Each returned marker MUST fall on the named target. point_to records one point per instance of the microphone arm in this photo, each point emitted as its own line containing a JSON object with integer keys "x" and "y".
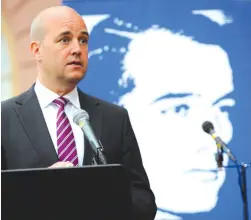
{"x": 223, "y": 146}
{"x": 99, "y": 154}
{"x": 208, "y": 127}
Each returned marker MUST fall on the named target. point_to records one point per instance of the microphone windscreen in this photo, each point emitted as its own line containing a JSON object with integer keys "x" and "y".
{"x": 79, "y": 115}
{"x": 207, "y": 126}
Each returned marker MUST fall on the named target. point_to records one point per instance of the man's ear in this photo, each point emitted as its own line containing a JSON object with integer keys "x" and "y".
{"x": 35, "y": 49}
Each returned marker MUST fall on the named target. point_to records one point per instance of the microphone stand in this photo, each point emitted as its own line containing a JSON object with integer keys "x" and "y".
{"x": 244, "y": 190}
{"x": 241, "y": 168}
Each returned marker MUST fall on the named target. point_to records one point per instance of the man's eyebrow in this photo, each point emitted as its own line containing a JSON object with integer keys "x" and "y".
{"x": 173, "y": 96}
{"x": 84, "y": 33}
{"x": 69, "y": 33}
{"x": 64, "y": 33}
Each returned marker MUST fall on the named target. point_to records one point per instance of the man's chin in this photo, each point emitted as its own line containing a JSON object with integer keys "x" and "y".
{"x": 75, "y": 77}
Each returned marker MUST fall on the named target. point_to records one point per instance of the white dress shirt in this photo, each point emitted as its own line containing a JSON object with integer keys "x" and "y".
{"x": 50, "y": 109}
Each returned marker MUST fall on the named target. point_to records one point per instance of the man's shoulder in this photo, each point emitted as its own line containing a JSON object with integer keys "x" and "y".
{"x": 105, "y": 105}
{"x": 12, "y": 102}
{"x": 8, "y": 103}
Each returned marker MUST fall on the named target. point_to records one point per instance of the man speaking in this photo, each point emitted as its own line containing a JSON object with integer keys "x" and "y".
{"x": 37, "y": 126}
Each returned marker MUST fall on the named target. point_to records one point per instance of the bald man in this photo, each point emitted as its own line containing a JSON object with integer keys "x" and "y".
{"x": 37, "y": 126}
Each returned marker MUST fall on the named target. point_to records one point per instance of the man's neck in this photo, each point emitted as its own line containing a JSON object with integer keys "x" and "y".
{"x": 60, "y": 90}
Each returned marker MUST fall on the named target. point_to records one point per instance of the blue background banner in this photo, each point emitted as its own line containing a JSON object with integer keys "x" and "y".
{"x": 175, "y": 64}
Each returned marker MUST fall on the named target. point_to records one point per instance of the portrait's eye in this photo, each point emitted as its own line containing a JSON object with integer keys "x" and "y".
{"x": 181, "y": 108}
{"x": 224, "y": 108}
{"x": 164, "y": 111}
{"x": 178, "y": 109}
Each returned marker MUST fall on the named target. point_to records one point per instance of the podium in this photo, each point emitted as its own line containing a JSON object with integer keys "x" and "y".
{"x": 88, "y": 193}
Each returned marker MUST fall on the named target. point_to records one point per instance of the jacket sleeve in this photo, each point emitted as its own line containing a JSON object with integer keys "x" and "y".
{"x": 143, "y": 200}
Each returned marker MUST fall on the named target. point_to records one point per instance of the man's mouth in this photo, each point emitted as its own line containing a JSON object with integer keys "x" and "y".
{"x": 75, "y": 63}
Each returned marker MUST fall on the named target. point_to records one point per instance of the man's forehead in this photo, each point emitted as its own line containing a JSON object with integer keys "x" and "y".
{"x": 69, "y": 27}
{"x": 74, "y": 22}
{"x": 70, "y": 24}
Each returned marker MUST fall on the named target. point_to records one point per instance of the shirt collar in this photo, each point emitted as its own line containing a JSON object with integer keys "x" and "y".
{"x": 46, "y": 96}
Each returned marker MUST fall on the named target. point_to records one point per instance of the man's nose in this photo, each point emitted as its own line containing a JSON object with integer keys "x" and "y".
{"x": 76, "y": 48}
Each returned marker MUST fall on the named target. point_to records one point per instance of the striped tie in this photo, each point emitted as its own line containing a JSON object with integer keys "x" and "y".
{"x": 65, "y": 139}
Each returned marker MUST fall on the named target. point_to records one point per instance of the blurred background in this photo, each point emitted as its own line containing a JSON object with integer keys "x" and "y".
{"x": 173, "y": 64}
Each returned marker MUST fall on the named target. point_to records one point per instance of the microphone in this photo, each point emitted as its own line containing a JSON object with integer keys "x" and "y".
{"x": 222, "y": 147}
{"x": 81, "y": 118}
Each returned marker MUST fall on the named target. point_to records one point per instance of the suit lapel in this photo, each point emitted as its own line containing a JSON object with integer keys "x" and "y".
{"x": 31, "y": 117}
{"x": 92, "y": 107}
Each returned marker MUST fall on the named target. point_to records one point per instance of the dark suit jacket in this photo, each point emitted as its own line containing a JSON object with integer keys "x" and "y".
{"x": 26, "y": 142}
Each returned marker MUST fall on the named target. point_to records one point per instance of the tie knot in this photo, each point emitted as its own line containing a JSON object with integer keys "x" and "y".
{"x": 61, "y": 101}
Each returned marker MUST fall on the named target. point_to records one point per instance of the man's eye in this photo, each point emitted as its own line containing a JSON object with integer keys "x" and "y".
{"x": 65, "y": 40}
{"x": 83, "y": 41}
